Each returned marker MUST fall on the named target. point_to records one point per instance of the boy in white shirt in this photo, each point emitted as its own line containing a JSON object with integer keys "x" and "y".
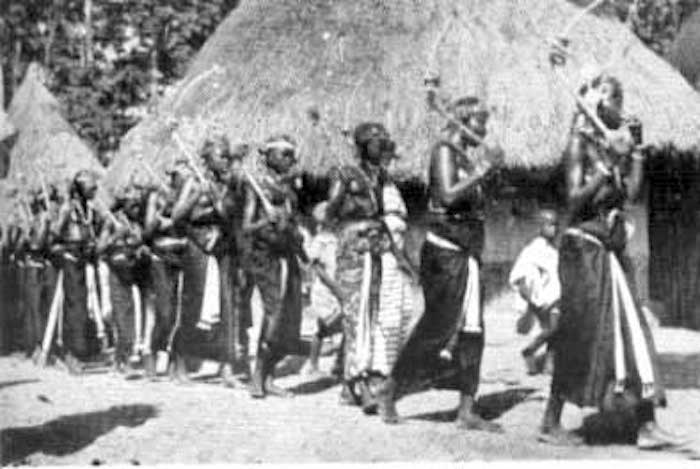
{"x": 535, "y": 276}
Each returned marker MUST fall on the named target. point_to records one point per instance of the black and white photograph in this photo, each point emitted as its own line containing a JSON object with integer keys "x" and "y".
{"x": 243, "y": 232}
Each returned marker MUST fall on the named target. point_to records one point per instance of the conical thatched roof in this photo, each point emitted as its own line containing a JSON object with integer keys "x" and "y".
{"x": 46, "y": 144}
{"x": 684, "y": 53}
{"x": 274, "y": 63}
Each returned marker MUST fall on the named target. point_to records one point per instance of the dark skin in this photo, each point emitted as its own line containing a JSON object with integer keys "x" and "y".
{"x": 280, "y": 162}
{"x": 452, "y": 191}
{"x": 123, "y": 230}
{"x": 154, "y": 219}
{"x": 190, "y": 204}
{"x": 371, "y": 165}
{"x": 579, "y": 191}
{"x": 87, "y": 193}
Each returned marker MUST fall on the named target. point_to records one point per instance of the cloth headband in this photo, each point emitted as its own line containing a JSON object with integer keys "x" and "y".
{"x": 278, "y": 145}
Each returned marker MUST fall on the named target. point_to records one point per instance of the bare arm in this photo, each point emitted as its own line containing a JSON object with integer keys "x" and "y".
{"x": 450, "y": 190}
{"x": 61, "y": 220}
{"x": 636, "y": 177}
{"x": 151, "y": 220}
{"x": 578, "y": 191}
{"x": 335, "y": 198}
{"x": 105, "y": 238}
{"x": 250, "y": 224}
{"x": 328, "y": 281}
{"x": 185, "y": 202}
{"x": 44, "y": 228}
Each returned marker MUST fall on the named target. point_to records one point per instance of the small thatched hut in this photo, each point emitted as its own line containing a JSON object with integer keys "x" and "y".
{"x": 46, "y": 144}
{"x": 316, "y": 68}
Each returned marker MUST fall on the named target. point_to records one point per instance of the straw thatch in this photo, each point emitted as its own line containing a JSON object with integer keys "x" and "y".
{"x": 47, "y": 145}
{"x": 684, "y": 53}
{"x": 7, "y": 134}
{"x": 316, "y": 67}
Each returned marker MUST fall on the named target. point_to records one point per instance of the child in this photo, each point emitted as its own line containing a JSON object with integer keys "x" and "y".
{"x": 326, "y": 295}
{"x": 535, "y": 277}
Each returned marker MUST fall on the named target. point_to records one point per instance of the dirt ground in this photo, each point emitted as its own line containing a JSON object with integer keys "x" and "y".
{"x": 48, "y": 417}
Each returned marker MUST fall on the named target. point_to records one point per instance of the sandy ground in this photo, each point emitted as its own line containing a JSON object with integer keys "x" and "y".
{"x": 47, "y": 417}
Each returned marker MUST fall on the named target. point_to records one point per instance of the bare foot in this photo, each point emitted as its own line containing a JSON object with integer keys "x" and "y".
{"x": 559, "y": 437}
{"x": 274, "y": 390}
{"x": 474, "y": 422}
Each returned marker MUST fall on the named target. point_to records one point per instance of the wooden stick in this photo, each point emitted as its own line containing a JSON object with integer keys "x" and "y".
{"x": 190, "y": 158}
{"x": 267, "y": 205}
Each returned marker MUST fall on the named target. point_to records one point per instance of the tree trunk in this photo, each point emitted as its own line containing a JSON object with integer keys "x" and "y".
{"x": 2, "y": 87}
{"x": 89, "y": 52}
{"x": 16, "y": 65}
{"x": 154, "y": 75}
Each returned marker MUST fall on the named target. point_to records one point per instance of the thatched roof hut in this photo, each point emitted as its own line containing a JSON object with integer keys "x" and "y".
{"x": 46, "y": 144}
{"x": 272, "y": 65}
{"x": 684, "y": 53}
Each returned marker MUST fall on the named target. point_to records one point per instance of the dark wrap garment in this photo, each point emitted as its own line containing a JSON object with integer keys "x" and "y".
{"x": 75, "y": 254}
{"x": 584, "y": 344}
{"x": 444, "y": 274}
{"x": 127, "y": 272}
{"x": 38, "y": 286}
{"x": 164, "y": 276}
{"x": 271, "y": 259}
{"x": 210, "y": 238}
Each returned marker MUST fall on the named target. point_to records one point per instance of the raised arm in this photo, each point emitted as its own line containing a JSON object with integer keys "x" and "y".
{"x": 578, "y": 191}
{"x": 186, "y": 201}
{"x": 154, "y": 219}
{"x": 336, "y": 192}
{"x": 106, "y": 237}
{"x": 250, "y": 224}
{"x": 61, "y": 220}
{"x": 451, "y": 191}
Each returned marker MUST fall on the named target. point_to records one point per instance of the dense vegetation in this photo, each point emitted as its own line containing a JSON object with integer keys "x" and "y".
{"x": 108, "y": 58}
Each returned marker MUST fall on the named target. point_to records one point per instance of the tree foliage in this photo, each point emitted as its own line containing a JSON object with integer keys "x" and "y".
{"x": 108, "y": 58}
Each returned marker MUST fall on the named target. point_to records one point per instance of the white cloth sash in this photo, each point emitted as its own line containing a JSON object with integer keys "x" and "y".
{"x": 93, "y": 299}
{"x": 471, "y": 304}
{"x": 105, "y": 291}
{"x": 210, "y": 313}
{"x": 624, "y": 306}
{"x": 363, "y": 359}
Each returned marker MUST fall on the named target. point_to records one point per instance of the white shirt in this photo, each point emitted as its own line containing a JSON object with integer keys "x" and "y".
{"x": 537, "y": 269}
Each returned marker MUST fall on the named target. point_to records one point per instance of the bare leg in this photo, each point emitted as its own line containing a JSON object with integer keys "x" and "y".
{"x": 468, "y": 419}
{"x": 551, "y": 430}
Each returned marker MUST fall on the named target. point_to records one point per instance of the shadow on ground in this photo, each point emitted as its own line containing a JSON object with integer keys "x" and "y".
{"x": 69, "y": 434}
{"x": 316, "y": 386}
{"x": 489, "y": 406}
{"x": 18, "y": 382}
